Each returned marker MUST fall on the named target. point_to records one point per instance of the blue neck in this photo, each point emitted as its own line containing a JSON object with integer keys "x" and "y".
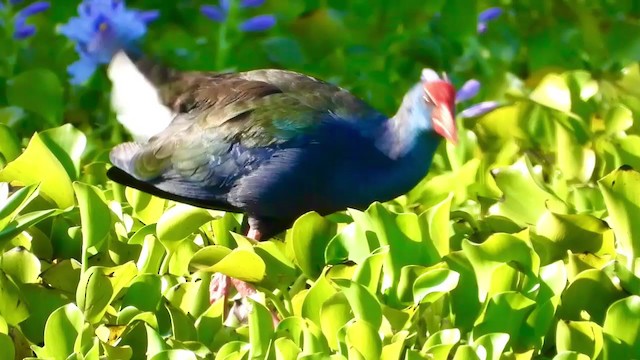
{"x": 410, "y": 129}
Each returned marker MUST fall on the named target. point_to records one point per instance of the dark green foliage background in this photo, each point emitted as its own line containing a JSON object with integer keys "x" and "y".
{"x": 522, "y": 242}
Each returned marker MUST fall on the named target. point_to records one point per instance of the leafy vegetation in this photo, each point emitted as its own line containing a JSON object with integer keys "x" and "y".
{"x": 522, "y": 242}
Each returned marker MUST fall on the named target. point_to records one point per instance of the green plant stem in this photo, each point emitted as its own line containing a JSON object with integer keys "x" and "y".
{"x": 298, "y": 285}
{"x": 277, "y": 303}
{"x": 223, "y": 47}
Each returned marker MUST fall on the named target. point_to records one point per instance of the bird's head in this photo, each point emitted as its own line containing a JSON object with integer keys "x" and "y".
{"x": 440, "y": 96}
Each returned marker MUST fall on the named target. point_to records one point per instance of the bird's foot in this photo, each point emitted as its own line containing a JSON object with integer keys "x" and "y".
{"x": 219, "y": 289}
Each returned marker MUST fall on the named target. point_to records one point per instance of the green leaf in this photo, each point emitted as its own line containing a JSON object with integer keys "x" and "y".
{"x": 21, "y": 265}
{"x": 216, "y": 258}
{"x": 319, "y": 292}
{"x": 310, "y": 235}
{"x": 619, "y": 118}
{"x": 553, "y": 92}
{"x": 621, "y": 191}
{"x": 146, "y": 207}
{"x": 437, "y": 220}
{"x": 12, "y": 206}
{"x": 174, "y": 355}
{"x": 570, "y": 355}
{"x": 497, "y": 250}
{"x": 260, "y": 330}
{"x": 144, "y": 293}
{"x": 12, "y": 305}
{"x": 279, "y": 270}
{"x": 467, "y": 352}
{"x": 363, "y": 341}
{"x": 61, "y": 331}
{"x": 592, "y": 292}
{"x": 181, "y": 221}
{"x": 95, "y": 216}
{"x": 286, "y": 349}
{"x": 583, "y": 337}
{"x": 334, "y": 315}
{"x": 579, "y": 233}
{"x": 56, "y": 185}
{"x": 182, "y": 326}
{"x": 432, "y": 284}
{"x": 9, "y": 145}
{"x": 37, "y": 90}
{"x": 363, "y": 303}
{"x": 524, "y": 200}
{"x": 99, "y": 286}
{"x": 369, "y": 271}
{"x": 494, "y": 344}
{"x": 7, "y": 349}
{"x": 67, "y": 144}
{"x": 623, "y": 322}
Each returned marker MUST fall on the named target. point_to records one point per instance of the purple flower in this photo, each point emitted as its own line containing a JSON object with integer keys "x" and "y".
{"x": 486, "y": 16}
{"x": 468, "y": 90}
{"x": 257, "y": 23}
{"x": 102, "y": 28}
{"x": 22, "y": 30}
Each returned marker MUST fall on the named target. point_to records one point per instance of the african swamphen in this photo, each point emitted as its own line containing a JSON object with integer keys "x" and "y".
{"x": 275, "y": 144}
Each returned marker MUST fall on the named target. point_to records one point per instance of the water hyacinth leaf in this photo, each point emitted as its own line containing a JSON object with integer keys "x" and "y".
{"x": 95, "y": 216}
{"x": 334, "y": 314}
{"x": 623, "y": 322}
{"x": 99, "y": 286}
{"x": 499, "y": 249}
{"x": 394, "y": 350}
{"x": 507, "y": 313}
{"x": 286, "y": 349}
{"x": 146, "y": 207}
{"x": 182, "y": 326}
{"x": 64, "y": 275}
{"x": 443, "y": 337}
{"x": 364, "y": 304}
{"x": 144, "y": 292}
{"x": 252, "y": 269}
{"x": 319, "y": 292}
{"x": 151, "y": 255}
{"x": 571, "y": 355}
{"x": 56, "y": 185}
{"x": 234, "y": 350}
{"x": 432, "y": 284}
{"x": 13, "y": 307}
{"x": 260, "y": 330}
{"x": 467, "y": 352}
{"x": 181, "y": 221}
{"x": 592, "y": 292}
{"x": 279, "y": 270}
{"x": 155, "y": 343}
{"x": 621, "y": 191}
{"x": 23, "y": 222}
{"x": 369, "y": 271}
{"x": 583, "y": 337}
{"x": 363, "y": 341}
{"x": 61, "y": 331}
{"x": 174, "y": 355}
{"x": 208, "y": 256}
{"x": 46, "y": 99}
{"x": 9, "y": 144}
{"x": 619, "y": 118}
{"x": 576, "y": 161}
{"x": 310, "y": 235}
{"x": 438, "y": 224}
{"x": 7, "y": 349}
{"x": 12, "y": 206}
{"x": 553, "y": 92}
{"x": 579, "y": 233}
{"x": 210, "y": 322}
{"x": 524, "y": 200}
{"x": 351, "y": 243}
{"x": 21, "y": 265}
{"x": 68, "y": 144}
{"x": 494, "y": 344}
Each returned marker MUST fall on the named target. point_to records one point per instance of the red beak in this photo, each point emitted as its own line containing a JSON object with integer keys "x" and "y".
{"x": 444, "y": 122}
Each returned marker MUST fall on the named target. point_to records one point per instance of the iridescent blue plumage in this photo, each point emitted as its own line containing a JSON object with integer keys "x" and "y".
{"x": 276, "y": 144}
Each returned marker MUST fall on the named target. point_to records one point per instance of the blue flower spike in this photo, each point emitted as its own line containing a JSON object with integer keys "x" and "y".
{"x": 487, "y": 15}
{"x": 219, "y": 13}
{"x": 21, "y": 29}
{"x": 468, "y": 90}
{"x": 101, "y": 29}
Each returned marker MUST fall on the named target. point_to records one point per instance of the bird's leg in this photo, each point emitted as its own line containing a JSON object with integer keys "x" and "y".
{"x": 221, "y": 284}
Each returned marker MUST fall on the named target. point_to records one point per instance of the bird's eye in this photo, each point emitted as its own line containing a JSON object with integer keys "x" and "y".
{"x": 428, "y": 98}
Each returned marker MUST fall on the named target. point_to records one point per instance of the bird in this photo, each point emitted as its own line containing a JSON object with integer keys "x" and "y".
{"x": 275, "y": 144}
